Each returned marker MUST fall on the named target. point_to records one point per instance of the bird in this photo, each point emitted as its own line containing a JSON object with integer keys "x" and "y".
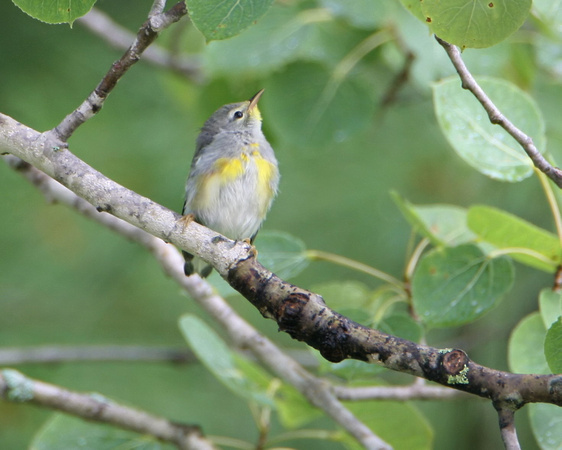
{"x": 233, "y": 179}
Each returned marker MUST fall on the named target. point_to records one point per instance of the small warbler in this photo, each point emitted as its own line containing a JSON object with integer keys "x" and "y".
{"x": 233, "y": 178}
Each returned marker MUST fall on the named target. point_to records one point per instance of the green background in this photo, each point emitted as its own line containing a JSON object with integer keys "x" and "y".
{"x": 67, "y": 281}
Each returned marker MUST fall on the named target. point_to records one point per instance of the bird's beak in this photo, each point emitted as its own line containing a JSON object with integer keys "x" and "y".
{"x": 254, "y": 100}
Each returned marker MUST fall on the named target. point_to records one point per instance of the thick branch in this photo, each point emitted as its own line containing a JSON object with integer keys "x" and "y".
{"x": 145, "y": 36}
{"x": 16, "y": 387}
{"x": 496, "y": 116}
{"x": 241, "y": 333}
{"x": 300, "y": 313}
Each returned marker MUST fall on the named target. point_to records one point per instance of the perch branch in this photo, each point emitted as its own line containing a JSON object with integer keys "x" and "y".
{"x": 496, "y": 116}
{"x": 242, "y": 334}
{"x": 300, "y": 313}
{"x": 16, "y": 387}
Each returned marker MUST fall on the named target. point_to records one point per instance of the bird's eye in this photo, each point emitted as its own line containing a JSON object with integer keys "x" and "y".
{"x": 238, "y": 114}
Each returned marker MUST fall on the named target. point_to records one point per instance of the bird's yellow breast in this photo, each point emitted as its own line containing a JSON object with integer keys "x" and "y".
{"x": 230, "y": 170}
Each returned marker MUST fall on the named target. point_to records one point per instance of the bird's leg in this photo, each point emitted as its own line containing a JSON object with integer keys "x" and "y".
{"x": 186, "y": 220}
{"x": 253, "y": 249}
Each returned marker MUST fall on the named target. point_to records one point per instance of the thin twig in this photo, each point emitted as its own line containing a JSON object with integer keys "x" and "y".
{"x": 146, "y": 35}
{"x": 497, "y": 118}
{"x": 414, "y": 391}
{"x": 157, "y": 8}
{"x": 399, "y": 80}
{"x": 16, "y": 387}
{"x": 507, "y": 428}
{"x": 319, "y": 255}
{"x": 10, "y": 356}
{"x": 119, "y": 37}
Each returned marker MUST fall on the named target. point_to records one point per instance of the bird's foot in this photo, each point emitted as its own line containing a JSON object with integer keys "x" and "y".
{"x": 253, "y": 249}
{"x": 186, "y": 220}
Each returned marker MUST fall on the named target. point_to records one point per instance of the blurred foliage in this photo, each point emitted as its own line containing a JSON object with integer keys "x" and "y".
{"x": 348, "y": 128}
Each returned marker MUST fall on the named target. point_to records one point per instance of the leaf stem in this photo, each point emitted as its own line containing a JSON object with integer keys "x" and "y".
{"x": 416, "y": 255}
{"x": 343, "y": 68}
{"x": 551, "y": 202}
{"x": 319, "y": 255}
{"x": 304, "y": 434}
{"x": 522, "y": 251}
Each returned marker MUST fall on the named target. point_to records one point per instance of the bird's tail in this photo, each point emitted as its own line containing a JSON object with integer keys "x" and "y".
{"x": 193, "y": 264}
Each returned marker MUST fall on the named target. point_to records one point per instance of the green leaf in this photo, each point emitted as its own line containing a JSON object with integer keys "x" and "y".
{"x": 342, "y": 294}
{"x": 55, "y": 11}
{"x": 525, "y": 344}
{"x": 486, "y": 147}
{"x": 348, "y": 369}
{"x": 294, "y": 410}
{"x": 242, "y": 377}
{"x": 453, "y": 286}
{"x": 281, "y": 253}
{"x": 475, "y": 23}
{"x": 350, "y": 298}
{"x": 227, "y": 18}
{"x": 387, "y": 420}
{"x": 403, "y": 326}
{"x": 414, "y": 6}
{"x": 506, "y": 231}
{"x": 62, "y": 432}
{"x": 273, "y": 42}
{"x": 312, "y": 107}
{"x": 221, "y": 286}
{"x": 361, "y": 13}
{"x": 546, "y": 423}
{"x": 548, "y": 10}
{"x": 553, "y": 346}
{"x": 550, "y": 305}
{"x": 441, "y": 224}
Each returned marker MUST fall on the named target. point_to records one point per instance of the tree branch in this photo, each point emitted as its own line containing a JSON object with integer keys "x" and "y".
{"x": 52, "y": 354}
{"x": 415, "y": 391}
{"x": 241, "y": 333}
{"x": 300, "y": 313}
{"x": 507, "y": 428}
{"x": 496, "y": 116}
{"x": 145, "y": 36}
{"x": 16, "y": 387}
{"x": 103, "y": 26}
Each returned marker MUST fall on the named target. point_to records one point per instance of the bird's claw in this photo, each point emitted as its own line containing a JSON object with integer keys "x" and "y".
{"x": 186, "y": 220}
{"x": 253, "y": 249}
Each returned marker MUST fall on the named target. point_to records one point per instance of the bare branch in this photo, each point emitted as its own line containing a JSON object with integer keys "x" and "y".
{"x": 103, "y": 26}
{"x": 507, "y": 427}
{"x": 496, "y": 116}
{"x": 10, "y": 356}
{"x": 16, "y": 387}
{"x": 301, "y": 313}
{"x": 146, "y": 35}
{"x": 242, "y": 334}
{"x": 52, "y": 354}
{"x": 157, "y": 8}
{"x": 398, "y": 393}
